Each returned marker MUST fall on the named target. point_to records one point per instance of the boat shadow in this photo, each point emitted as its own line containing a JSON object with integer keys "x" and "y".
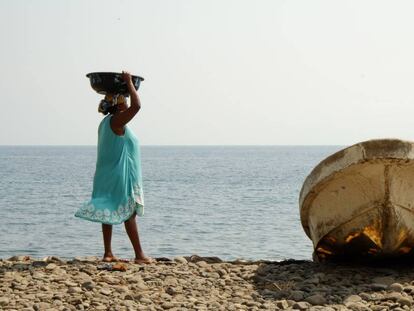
{"x": 334, "y": 283}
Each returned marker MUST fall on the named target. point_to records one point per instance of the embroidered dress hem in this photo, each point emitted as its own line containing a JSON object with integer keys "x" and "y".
{"x": 90, "y": 212}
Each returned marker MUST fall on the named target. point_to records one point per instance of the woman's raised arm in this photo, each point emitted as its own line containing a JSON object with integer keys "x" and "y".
{"x": 119, "y": 120}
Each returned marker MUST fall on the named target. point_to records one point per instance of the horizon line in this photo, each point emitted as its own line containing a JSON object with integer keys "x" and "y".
{"x": 181, "y": 145}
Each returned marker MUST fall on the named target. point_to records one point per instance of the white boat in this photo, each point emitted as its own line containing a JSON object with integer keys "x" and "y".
{"x": 359, "y": 202}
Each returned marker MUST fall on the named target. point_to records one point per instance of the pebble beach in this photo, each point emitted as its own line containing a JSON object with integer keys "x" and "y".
{"x": 201, "y": 283}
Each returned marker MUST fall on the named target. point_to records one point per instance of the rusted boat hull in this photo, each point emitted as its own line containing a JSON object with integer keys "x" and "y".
{"x": 359, "y": 202}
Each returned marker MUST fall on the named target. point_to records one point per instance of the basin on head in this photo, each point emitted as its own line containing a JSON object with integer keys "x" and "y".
{"x": 111, "y": 83}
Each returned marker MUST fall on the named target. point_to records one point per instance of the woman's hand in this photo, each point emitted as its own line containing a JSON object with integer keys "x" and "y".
{"x": 126, "y": 76}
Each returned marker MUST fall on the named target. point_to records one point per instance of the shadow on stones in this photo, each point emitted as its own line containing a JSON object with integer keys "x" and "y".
{"x": 19, "y": 267}
{"x": 333, "y": 283}
{"x": 34, "y": 265}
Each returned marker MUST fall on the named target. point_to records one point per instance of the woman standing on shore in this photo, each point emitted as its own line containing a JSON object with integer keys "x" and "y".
{"x": 117, "y": 195}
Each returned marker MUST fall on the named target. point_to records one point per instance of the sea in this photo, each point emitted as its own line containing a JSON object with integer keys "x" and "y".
{"x": 233, "y": 202}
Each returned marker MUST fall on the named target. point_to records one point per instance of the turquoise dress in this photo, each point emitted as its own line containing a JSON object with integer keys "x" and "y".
{"x": 117, "y": 184}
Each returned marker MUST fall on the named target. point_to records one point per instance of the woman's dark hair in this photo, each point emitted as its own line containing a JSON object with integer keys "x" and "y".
{"x": 106, "y": 107}
{"x": 110, "y": 104}
{"x": 112, "y": 109}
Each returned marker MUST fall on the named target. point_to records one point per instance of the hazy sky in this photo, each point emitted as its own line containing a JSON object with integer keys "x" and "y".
{"x": 217, "y": 71}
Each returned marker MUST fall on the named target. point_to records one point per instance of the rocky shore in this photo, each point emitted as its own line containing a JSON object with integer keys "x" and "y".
{"x": 202, "y": 283}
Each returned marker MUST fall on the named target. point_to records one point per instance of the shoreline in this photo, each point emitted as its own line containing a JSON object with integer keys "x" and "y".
{"x": 202, "y": 283}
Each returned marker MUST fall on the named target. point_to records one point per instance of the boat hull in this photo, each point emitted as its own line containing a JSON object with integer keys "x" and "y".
{"x": 359, "y": 202}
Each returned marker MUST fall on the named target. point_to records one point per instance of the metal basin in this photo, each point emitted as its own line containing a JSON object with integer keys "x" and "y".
{"x": 111, "y": 82}
{"x": 358, "y": 204}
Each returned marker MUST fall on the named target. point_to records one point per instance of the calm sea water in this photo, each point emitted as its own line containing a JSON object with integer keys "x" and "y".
{"x": 230, "y": 202}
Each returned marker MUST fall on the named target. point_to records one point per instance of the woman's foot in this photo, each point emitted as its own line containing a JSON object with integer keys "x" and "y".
{"x": 143, "y": 260}
{"x": 112, "y": 258}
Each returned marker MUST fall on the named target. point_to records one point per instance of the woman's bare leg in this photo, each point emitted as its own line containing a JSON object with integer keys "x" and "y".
{"x": 107, "y": 237}
{"x": 132, "y": 231}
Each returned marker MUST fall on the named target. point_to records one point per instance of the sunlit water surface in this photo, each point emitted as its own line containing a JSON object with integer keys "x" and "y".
{"x": 230, "y": 202}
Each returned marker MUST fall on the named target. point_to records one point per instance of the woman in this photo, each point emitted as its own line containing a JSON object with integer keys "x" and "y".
{"x": 117, "y": 186}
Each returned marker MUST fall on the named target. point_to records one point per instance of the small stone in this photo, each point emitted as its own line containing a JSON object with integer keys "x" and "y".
{"x": 378, "y": 286}
{"x": 4, "y": 301}
{"x": 170, "y": 281}
{"x": 28, "y": 297}
{"x": 165, "y": 296}
{"x": 170, "y": 291}
{"x": 319, "y": 275}
{"x": 212, "y": 259}
{"x": 313, "y": 280}
{"x": 296, "y": 278}
{"x": 73, "y": 290}
{"x": 141, "y": 285}
{"x": 167, "y": 305}
{"x": 121, "y": 289}
{"x": 128, "y": 303}
{"x": 409, "y": 289}
{"x": 316, "y": 299}
{"x": 51, "y": 266}
{"x": 50, "y": 259}
{"x": 396, "y": 287}
{"x": 19, "y": 258}
{"x": 90, "y": 259}
{"x": 105, "y": 291}
{"x": 238, "y": 306}
{"x": 352, "y": 299}
{"x": 404, "y": 301}
{"x": 41, "y": 306}
{"x": 89, "y": 285}
{"x": 297, "y": 295}
{"x": 75, "y": 301}
{"x": 119, "y": 267}
{"x": 145, "y": 300}
{"x": 104, "y": 266}
{"x": 71, "y": 284}
{"x": 202, "y": 264}
{"x": 39, "y": 263}
{"x": 180, "y": 259}
{"x": 21, "y": 266}
{"x": 387, "y": 280}
{"x": 110, "y": 280}
{"x": 238, "y": 294}
{"x": 214, "y": 275}
{"x": 357, "y": 306}
{"x": 302, "y": 305}
{"x": 393, "y": 296}
{"x": 247, "y": 303}
{"x": 282, "y": 304}
{"x": 365, "y": 296}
